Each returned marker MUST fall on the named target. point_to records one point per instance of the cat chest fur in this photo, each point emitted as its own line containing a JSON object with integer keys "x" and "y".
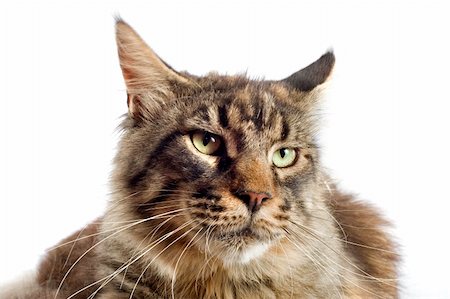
{"x": 199, "y": 275}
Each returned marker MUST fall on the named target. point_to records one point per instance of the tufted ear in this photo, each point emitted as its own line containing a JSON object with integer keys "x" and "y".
{"x": 149, "y": 79}
{"x": 313, "y": 75}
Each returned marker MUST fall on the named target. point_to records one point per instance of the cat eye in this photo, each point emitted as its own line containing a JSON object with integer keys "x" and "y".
{"x": 284, "y": 157}
{"x": 206, "y": 143}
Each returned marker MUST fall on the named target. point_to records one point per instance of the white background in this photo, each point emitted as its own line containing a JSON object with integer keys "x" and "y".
{"x": 386, "y": 114}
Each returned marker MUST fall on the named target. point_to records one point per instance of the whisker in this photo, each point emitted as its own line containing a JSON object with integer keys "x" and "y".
{"x": 73, "y": 246}
{"x": 136, "y": 257}
{"x": 207, "y": 259}
{"x": 364, "y": 273}
{"x": 290, "y": 269}
{"x": 344, "y": 277}
{"x": 125, "y": 264}
{"x": 178, "y": 261}
{"x": 106, "y": 231}
{"x": 173, "y": 242}
{"x": 344, "y": 240}
{"x": 319, "y": 266}
{"x": 98, "y": 243}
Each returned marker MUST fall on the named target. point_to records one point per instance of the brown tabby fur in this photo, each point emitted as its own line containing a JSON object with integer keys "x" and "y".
{"x": 177, "y": 225}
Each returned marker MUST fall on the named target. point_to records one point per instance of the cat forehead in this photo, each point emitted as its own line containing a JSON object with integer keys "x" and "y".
{"x": 243, "y": 87}
{"x": 258, "y": 94}
{"x": 260, "y": 108}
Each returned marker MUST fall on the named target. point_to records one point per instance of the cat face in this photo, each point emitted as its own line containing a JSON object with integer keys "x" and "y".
{"x": 223, "y": 162}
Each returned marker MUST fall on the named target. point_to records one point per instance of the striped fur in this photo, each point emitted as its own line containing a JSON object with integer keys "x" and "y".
{"x": 176, "y": 226}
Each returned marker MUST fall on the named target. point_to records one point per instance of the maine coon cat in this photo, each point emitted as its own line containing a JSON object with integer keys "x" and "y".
{"x": 218, "y": 192}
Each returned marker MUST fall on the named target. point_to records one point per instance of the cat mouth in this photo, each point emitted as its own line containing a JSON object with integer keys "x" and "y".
{"x": 246, "y": 233}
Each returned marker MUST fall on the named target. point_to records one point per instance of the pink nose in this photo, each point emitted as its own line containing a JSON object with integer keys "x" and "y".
{"x": 253, "y": 200}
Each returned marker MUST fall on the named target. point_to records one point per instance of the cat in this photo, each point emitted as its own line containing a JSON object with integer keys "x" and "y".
{"x": 218, "y": 192}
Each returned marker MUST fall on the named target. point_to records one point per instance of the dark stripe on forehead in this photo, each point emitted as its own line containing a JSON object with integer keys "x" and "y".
{"x": 258, "y": 114}
{"x": 243, "y": 110}
{"x": 239, "y": 138}
{"x": 285, "y": 130}
{"x": 223, "y": 116}
{"x": 203, "y": 112}
{"x": 271, "y": 118}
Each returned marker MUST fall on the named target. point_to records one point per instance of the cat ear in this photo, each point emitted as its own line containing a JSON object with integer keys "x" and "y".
{"x": 314, "y": 74}
{"x": 148, "y": 78}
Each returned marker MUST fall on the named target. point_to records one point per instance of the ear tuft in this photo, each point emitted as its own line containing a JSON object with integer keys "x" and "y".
{"x": 149, "y": 79}
{"x": 141, "y": 67}
{"x": 314, "y": 74}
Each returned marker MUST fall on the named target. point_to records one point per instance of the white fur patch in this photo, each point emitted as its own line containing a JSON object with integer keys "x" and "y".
{"x": 252, "y": 252}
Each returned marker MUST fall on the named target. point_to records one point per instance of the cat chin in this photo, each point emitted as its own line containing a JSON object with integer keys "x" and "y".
{"x": 246, "y": 254}
{"x": 243, "y": 246}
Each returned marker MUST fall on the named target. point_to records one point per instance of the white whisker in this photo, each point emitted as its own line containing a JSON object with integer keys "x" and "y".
{"x": 100, "y": 242}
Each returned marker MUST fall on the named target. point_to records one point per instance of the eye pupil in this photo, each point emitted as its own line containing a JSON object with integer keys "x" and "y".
{"x": 206, "y": 139}
{"x": 282, "y": 152}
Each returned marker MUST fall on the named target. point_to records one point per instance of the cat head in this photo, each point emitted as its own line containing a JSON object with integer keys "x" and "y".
{"x": 221, "y": 161}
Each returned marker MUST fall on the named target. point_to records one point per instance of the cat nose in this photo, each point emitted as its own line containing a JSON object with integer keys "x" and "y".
{"x": 253, "y": 200}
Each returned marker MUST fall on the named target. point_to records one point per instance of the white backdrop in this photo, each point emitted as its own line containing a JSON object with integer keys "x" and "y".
{"x": 386, "y": 115}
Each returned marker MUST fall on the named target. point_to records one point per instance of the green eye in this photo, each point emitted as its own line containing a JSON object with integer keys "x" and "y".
{"x": 205, "y": 142}
{"x": 284, "y": 157}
